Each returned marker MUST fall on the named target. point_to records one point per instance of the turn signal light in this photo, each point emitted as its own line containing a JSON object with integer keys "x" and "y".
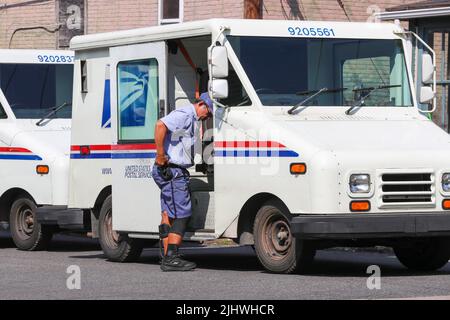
{"x": 41, "y": 169}
{"x": 298, "y": 168}
{"x": 446, "y": 204}
{"x": 360, "y": 206}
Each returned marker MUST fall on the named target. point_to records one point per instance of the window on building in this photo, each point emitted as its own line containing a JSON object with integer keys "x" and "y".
{"x": 138, "y": 96}
{"x": 170, "y": 11}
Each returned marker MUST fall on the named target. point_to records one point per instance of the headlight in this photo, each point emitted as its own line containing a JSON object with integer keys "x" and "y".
{"x": 446, "y": 182}
{"x": 360, "y": 183}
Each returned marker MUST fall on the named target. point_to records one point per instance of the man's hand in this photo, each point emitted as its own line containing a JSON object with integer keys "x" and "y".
{"x": 161, "y": 160}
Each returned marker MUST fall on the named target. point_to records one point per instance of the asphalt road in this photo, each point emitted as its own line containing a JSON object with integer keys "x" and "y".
{"x": 222, "y": 273}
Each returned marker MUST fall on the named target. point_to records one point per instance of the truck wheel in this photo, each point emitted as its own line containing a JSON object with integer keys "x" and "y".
{"x": 27, "y": 234}
{"x": 425, "y": 254}
{"x": 276, "y": 247}
{"x": 117, "y": 247}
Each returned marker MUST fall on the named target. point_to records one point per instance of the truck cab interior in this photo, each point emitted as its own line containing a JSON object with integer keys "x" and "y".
{"x": 187, "y": 74}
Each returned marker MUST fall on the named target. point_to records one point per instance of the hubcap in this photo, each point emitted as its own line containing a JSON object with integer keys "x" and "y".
{"x": 281, "y": 239}
{"x": 278, "y": 239}
{"x": 25, "y": 222}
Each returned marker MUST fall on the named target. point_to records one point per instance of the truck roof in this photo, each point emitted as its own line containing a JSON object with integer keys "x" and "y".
{"x": 35, "y": 56}
{"x": 250, "y": 27}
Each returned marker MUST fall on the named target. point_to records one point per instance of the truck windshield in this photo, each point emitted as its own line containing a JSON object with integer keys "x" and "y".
{"x": 33, "y": 89}
{"x": 285, "y": 71}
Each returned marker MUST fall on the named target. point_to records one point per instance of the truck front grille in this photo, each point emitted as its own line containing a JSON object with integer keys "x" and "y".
{"x": 409, "y": 189}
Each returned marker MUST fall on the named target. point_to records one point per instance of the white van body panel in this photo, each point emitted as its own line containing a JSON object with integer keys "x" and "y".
{"x": 90, "y": 130}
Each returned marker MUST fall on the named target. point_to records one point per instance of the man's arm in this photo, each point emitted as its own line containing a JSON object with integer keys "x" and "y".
{"x": 160, "y": 134}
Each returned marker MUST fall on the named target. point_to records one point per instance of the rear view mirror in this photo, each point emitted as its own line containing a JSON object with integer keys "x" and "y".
{"x": 218, "y": 62}
{"x": 219, "y": 88}
{"x": 426, "y": 94}
{"x": 427, "y": 67}
{"x": 428, "y": 64}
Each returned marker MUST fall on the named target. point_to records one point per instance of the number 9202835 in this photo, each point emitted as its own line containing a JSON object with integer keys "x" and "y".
{"x": 55, "y": 59}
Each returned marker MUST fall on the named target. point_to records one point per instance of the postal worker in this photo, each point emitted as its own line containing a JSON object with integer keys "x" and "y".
{"x": 175, "y": 136}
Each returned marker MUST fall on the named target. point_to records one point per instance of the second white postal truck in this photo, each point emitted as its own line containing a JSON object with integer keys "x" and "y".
{"x": 35, "y": 112}
{"x": 317, "y": 138}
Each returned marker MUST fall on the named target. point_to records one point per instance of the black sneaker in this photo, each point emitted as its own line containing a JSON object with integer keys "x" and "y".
{"x": 176, "y": 263}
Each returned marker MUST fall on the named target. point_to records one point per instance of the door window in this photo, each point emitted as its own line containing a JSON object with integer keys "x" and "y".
{"x": 138, "y": 96}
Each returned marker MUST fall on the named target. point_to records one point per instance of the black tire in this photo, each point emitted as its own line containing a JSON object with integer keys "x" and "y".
{"x": 26, "y": 233}
{"x": 424, "y": 254}
{"x": 276, "y": 247}
{"x": 117, "y": 247}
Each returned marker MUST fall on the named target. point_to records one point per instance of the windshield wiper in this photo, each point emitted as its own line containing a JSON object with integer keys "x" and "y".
{"x": 313, "y": 94}
{"x": 369, "y": 90}
{"x": 53, "y": 112}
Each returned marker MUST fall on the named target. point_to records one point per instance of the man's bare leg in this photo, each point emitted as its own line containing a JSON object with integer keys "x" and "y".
{"x": 174, "y": 242}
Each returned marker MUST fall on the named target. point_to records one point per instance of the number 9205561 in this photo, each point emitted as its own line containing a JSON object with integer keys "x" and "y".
{"x": 311, "y": 32}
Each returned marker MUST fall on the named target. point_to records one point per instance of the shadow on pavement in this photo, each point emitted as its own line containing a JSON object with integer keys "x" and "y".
{"x": 6, "y": 241}
{"x": 214, "y": 258}
{"x": 73, "y": 243}
{"x": 328, "y": 263}
{"x": 59, "y": 243}
{"x": 331, "y": 263}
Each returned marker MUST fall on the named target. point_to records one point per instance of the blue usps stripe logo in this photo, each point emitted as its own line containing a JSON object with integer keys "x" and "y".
{"x": 106, "y": 115}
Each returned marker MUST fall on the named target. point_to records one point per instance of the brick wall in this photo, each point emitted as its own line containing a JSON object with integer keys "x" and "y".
{"x": 438, "y": 116}
{"x": 107, "y": 15}
{"x": 12, "y": 19}
{"x": 111, "y": 15}
{"x": 357, "y": 10}
{"x": 206, "y": 9}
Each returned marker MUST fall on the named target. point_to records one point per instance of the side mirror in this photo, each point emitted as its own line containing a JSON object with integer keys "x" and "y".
{"x": 427, "y": 67}
{"x": 218, "y": 61}
{"x": 219, "y": 88}
{"x": 426, "y": 94}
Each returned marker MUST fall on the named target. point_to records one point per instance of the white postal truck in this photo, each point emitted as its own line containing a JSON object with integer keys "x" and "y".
{"x": 317, "y": 138}
{"x": 35, "y": 112}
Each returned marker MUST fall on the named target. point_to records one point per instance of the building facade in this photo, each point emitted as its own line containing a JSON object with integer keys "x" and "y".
{"x": 51, "y": 23}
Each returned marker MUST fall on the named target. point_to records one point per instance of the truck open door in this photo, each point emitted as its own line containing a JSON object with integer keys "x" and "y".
{"x": 138, "y": 92}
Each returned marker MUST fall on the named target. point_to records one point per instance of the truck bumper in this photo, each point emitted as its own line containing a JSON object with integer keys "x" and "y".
{"x": 366, "y": 226}
{"x": 70, "y": 219}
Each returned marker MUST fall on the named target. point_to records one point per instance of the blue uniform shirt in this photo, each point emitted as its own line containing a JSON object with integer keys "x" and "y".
{"x": 182, "y": 135}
